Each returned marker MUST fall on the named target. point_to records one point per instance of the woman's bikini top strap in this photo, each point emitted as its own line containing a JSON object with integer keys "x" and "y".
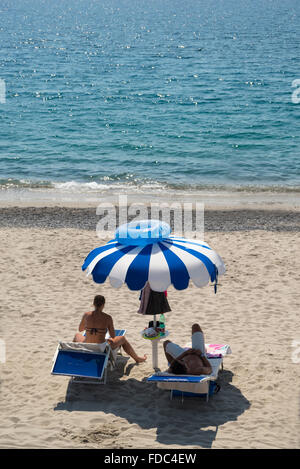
{"x": 95, "y": 330}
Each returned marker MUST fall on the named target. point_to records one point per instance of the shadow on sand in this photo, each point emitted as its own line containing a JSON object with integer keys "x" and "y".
{"x": 141, "y": 403}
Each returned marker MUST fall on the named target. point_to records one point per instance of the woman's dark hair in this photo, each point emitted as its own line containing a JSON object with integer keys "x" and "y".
{"x": 178, "y": 368}
{"x": 99, "y": 300}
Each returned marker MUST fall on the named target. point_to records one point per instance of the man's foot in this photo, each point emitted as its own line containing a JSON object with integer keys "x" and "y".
{"x": 196, "y": 328}
{"x": 141, "y": 359}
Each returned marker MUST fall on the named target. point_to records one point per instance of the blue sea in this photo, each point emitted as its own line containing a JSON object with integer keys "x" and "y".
{"x": 149, "y": 95}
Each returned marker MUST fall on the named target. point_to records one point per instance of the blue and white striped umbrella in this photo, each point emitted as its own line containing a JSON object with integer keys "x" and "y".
{"x": 162, "y": 261}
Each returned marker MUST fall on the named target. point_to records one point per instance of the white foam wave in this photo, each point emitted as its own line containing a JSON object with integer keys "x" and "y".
{"x": 96, "y": 187}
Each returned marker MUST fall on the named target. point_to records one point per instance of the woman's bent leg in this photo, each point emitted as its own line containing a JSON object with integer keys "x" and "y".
{"x": 122, "y": 342}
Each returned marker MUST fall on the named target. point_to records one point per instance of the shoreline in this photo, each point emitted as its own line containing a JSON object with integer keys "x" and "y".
{"x": 85, "y": 218}
{"x": 217, "y": 199}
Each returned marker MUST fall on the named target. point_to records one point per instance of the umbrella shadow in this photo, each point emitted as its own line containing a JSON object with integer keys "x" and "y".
{"x": 192, "y": 423}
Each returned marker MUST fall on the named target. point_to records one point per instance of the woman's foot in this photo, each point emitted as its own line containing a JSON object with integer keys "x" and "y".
{"x": 141, "y": 359}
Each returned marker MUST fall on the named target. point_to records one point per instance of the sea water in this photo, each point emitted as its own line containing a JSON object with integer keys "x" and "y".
{"x": 141, "y": 96}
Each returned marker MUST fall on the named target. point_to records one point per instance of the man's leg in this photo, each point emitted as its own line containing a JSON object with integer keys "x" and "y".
{"x": 172, "y": 350}
{"x": 168, "y": 356}
{"x": 199, "y": 344}
{"x": 198, "y": 338}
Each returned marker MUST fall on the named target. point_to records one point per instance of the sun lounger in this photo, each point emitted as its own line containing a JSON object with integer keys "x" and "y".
{"x": 188, "y": 384}
{"x": 85, "y": 362}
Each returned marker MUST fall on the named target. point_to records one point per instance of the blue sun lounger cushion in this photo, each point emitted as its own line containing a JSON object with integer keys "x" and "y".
{"x": 83, "y": 364}
{"x": 83, "y": 360}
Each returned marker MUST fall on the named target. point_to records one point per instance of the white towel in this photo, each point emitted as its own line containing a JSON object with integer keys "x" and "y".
{"x": 83, "y": 346}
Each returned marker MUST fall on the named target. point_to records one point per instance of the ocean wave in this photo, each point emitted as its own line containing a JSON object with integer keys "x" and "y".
{"x": 134, "y": 185}
{"x": 102, "y": 187}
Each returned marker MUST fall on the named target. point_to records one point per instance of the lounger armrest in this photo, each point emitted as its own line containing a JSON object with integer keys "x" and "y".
{"x": 119, "y": 333}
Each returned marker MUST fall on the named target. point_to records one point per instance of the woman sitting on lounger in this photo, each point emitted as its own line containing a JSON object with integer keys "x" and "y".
{"x": 96, "y": 324}
{"x": 188, "y": 362}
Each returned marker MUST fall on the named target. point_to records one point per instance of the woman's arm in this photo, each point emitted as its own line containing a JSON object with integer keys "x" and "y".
{"x": 111, "y": 328}
{"x": 82, "y": 323}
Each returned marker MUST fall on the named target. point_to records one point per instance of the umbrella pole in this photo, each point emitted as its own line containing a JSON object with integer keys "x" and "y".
{"x": 154, "y": 348}
{"x": 155, "y": 354}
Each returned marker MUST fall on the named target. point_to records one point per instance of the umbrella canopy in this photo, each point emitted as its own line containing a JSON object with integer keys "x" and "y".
{"x": 144, "y": 252}
{"x": 158, "y": 258}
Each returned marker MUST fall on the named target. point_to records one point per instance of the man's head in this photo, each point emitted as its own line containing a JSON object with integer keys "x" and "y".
{"x": 178, "y": 368}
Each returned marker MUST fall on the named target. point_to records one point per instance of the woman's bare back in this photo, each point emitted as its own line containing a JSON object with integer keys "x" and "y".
{"x": 96, "y": 325}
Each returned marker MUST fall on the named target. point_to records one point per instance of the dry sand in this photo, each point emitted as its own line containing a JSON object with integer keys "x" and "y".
{"x": 43, "y": 295}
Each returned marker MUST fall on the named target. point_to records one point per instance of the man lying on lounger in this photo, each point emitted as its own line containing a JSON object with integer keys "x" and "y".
{"x": 188, "y": 362}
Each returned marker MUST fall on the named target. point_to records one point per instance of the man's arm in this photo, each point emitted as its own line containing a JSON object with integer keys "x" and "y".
{"x": 190, "y": 351}
{"x": 206, "y": 362}
{"x": 200, "y": 354}
{"x": 169, "y": 370}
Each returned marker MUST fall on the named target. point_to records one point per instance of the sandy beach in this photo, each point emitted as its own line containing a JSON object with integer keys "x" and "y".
{"x": 43, "y": 296}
